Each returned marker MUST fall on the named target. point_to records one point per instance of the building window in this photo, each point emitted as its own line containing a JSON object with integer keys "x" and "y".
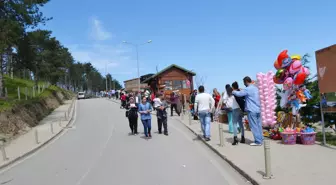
{"x": 168, "y": 85}
{"x": 179, "y": 84}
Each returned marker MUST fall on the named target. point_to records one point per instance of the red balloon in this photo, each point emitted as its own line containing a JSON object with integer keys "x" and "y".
{"x": 299, "y": 78}
{"x": 277, "y": 80}
{"x": 276, "y": 65}
{"x": 282, "y": 56}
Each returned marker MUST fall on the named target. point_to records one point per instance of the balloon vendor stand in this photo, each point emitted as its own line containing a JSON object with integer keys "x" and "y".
{"x": 291, "y": 75}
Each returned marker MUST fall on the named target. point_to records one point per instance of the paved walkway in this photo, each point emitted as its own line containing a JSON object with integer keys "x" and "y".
{"x": 101, "y": 151}
{"x": 296, "y": 164}
{"x": 50, "y": 127}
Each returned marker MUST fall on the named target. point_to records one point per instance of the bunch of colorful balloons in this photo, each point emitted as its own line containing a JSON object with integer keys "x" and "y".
{"x": 291, "y": 74}
{"x": 267, "y": 96}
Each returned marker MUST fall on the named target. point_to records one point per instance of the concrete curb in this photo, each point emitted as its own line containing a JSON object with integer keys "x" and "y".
{"x": 13, "y": 161}
{"x": 239, "y": 170}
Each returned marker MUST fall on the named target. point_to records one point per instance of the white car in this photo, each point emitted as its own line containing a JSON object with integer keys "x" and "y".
{"x": 81, "y": 95}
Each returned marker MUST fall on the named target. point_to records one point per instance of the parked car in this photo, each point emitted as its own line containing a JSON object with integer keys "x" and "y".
{"x": 80, "y": 95}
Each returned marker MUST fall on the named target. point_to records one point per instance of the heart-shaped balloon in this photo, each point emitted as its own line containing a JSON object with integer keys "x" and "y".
{"x": 305, "y": 70}
{"x": 299, "y": 78}
{"x": 295, "y": 67}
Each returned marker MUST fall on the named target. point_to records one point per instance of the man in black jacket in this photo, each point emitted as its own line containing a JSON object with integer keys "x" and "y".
{"x": 237, "y": 116}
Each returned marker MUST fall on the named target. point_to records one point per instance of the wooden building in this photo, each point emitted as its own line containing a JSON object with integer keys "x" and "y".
{"x": 172, "y": 78}
{"x": 132, "y": 85}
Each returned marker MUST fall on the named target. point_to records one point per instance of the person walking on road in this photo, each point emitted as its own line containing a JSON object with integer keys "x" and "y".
{"x": 123, "y": 100}
{"x": 132, "y": 116}
{"x": 237, "y": 115}
{"x": 173, "y": 103}
{"x": 204, "y": 104}
{"x": 161, "y": 105}
{"x": 145, "y": 110}
{"x": 252, "y": 107}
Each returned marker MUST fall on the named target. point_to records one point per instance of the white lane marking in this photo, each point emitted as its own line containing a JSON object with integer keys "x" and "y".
{"x": 94, "y": 163}
{"x": 44, "y": 147}
{"x": 224, "y": 173}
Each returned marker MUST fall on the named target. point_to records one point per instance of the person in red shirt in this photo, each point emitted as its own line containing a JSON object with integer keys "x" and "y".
{"x": 216, "y": 96}
{"x": 123, "y": 100}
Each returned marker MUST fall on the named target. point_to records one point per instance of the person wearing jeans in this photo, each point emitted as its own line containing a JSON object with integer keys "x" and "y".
{"x": 145, "y": 110}
{"x": 204, "y": 104}
{"x": 205, "y": 119}
{"x": 237, "y": 113}
{"x": 252, "y": 107}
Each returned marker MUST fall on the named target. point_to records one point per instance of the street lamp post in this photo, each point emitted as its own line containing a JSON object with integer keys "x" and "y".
{"x": 137, "y": 55}
{"x": 106, "y": 75}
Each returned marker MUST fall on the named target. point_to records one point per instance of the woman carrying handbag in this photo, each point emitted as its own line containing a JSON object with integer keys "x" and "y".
{"x": 228, "y": 102}
{"x": 132, "y": 114}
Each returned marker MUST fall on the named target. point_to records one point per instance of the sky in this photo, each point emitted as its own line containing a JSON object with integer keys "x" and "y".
{"x": 222, "y": 41}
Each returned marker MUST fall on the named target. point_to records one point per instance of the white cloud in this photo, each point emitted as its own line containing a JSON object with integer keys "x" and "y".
{"x": 118, "y": 57}
{"x": 98, "y": 55}
{"x": 98, "y": 32}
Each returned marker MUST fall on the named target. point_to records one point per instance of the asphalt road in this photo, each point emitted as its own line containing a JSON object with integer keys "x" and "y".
{"x": 100, "y": 151}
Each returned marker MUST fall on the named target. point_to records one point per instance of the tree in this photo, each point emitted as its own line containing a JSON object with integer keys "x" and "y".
{"x": 39, "y": 55}
{"x": 199, "y": 80}
{"x": 16, "y": 17}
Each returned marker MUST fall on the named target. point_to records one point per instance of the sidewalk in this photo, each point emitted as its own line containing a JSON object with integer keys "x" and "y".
{"x": 296, "y": 164}
{"x": 49, "y": 128}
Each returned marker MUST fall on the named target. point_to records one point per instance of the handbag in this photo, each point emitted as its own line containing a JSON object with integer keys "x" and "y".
{"x": 127, "y": 113}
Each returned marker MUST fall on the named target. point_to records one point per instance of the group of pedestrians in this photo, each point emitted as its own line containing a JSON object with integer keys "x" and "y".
{"x": 235, "y": 102}
{"x": 145, "y": 109}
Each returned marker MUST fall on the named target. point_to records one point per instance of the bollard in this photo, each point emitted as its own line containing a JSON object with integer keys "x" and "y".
{"x": 189, "y": 118}
{"x": 267, "y": 151}
{"x": 36, "y": 136}
{"x": 65, "y": 116}
{"x": 6, "y": 92}
{"x": 18, "y": 91}
{"x": 60, "y": 122}
{"x": 26, "y": 93}
{"x": 221, "y": 136}
{"x": 52, "y": 128}
{"x": 3, "y": 151}
{"x": 33, "y": 91}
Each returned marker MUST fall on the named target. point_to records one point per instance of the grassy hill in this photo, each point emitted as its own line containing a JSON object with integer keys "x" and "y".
{"x": 26, "y": 87}
{"x": 19, "y": 115}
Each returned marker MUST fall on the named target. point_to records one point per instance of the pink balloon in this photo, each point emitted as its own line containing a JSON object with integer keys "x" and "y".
{"x": 295, "y": 67}
{"x": 305, "y": 70}
{"x": 269, "y": 120}
{"x": 288, "y": 84}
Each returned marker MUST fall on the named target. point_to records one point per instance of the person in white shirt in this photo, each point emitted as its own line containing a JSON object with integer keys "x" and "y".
{"x": 228, "y": 101}
{"x": 204, "y": 104}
